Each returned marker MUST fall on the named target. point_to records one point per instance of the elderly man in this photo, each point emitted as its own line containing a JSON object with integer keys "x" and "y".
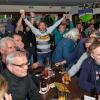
{"x": 90, "y": 74}
{"x": 7, "y": 46}
{"x": 20, "y": 84}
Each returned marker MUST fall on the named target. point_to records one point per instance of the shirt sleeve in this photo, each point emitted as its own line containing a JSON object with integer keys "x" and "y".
{"x": 76, "y": 67}
{"x": 33, "y": 29}
{"x": 51, "y": 28}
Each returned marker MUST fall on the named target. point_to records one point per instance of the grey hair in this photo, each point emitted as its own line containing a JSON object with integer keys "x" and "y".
{"x": 10, "y": 57}
{"x": 71, "y": 34}
{"x": 4, "y": 40}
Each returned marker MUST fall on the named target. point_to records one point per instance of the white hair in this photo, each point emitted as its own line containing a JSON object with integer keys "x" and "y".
{"x": 71, "y": 34}
{"x": 10, "y": 57}
{"x": 4, "y": 40}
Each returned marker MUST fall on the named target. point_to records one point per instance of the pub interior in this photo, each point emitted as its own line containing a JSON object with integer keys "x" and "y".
{"x": 49, "y": 50}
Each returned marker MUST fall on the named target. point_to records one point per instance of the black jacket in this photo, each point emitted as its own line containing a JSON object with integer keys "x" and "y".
{"x": 20, "y": 88}
{"x": 2, "y": 65}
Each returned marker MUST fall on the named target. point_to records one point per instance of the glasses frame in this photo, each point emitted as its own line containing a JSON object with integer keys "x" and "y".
{"x": 22, "y": 65}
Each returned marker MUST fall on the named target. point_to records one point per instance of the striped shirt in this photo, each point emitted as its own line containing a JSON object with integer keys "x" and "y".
{"x": 43, "y": 39}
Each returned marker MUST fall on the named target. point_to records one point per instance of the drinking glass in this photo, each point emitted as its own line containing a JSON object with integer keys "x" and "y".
{"x": 65, "y": 78}
{"x": 61, "y": 95}
{"x": 46, "y": 73}
{"x": 43, "y": 85}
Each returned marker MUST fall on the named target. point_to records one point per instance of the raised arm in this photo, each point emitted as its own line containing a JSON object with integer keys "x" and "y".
{"x": 76, "y": 67}
{"x": 32, "y": 19}
{"x": 51, "y": 28}
{"x": 19, "y": 24}
{"x": 33, "y": 29}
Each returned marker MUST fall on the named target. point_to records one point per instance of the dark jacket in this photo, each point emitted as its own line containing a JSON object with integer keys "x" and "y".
{"x": 79, "y": 50}
{"x": 88, "y": 75}
{"x": 20, "y": 88}
{"x": 63, "y": 49}
{"x": 2, "y": 65}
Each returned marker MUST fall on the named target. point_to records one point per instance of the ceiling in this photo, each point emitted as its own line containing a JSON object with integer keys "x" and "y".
{"x": 47, "y": 2}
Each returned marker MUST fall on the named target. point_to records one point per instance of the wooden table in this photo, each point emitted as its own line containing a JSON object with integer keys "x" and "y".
{"x": 75, "y": 91}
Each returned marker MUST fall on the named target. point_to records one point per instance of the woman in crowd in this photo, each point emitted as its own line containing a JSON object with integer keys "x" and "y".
{"x": 66, "y": 46}
{"x": 3, "y": 89}
{"x": 65, "y": 26}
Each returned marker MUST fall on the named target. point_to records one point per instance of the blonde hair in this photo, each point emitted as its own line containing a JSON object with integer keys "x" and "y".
{"x": 71, "y": 34}
{"x": 3, "y": 85}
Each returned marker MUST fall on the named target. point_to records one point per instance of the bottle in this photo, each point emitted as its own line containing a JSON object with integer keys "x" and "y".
{"x": 43, "y": 84}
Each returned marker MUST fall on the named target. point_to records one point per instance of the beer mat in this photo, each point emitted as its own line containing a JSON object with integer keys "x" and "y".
{"x": 42, "y": 92}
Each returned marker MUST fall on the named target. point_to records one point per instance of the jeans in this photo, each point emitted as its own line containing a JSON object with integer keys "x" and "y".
{"x": 41, "y": 57}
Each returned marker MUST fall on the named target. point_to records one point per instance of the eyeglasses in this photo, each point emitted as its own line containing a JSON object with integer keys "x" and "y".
{"x": 22, "y": 65}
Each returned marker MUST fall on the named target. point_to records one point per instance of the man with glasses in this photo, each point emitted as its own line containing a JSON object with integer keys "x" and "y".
{"x": 20, "y": 84}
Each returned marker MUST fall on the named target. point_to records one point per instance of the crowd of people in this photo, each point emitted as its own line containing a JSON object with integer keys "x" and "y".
{"x": 74, "y": 46}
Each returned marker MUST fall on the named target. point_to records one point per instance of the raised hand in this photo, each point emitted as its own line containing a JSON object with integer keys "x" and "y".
{"x": 64, "y": 15}
{"x": 69, "y": 16}
{"x": 56, "y": 17}
{"x": 22, "y": 12}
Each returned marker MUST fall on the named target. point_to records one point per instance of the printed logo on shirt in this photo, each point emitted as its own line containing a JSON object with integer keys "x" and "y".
{"x": 43, "y": 38}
